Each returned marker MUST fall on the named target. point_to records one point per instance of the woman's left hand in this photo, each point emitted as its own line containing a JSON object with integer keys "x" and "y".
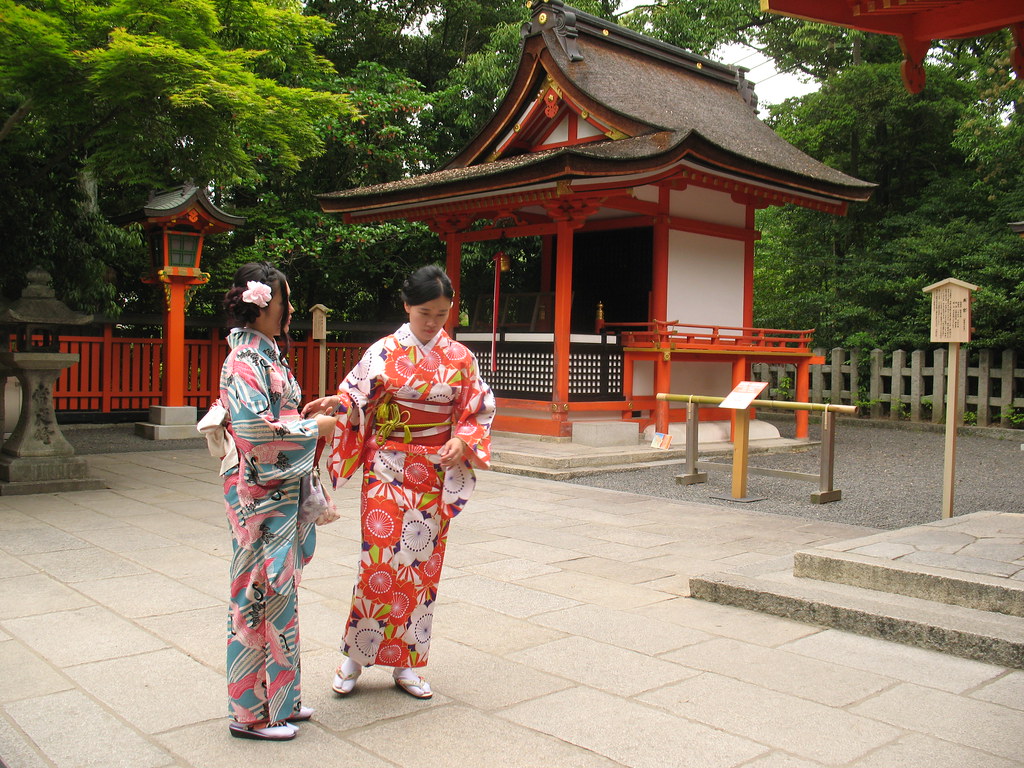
{"x": 451, "y": 452}
{"x": 327, "y": 406}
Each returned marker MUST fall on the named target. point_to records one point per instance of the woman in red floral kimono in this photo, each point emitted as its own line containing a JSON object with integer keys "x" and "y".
{"x": 416, "y": 415}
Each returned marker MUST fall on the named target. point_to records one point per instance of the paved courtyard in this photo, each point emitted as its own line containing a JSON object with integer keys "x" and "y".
{"x": 564, "y": 637}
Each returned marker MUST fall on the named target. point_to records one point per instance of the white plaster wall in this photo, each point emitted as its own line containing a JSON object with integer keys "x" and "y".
{"x": 643, "y": 379}
{"x": 585, "y": 130}
{"x": 648, "y": 193}
{"x": 705, "y": 285}
{"x": 708, "y": 205}
{"x": 694, "y": 378}
{"x": 561, "y": 132}
{"x": 705, "y": 279}
{"x": 688, "y": 378}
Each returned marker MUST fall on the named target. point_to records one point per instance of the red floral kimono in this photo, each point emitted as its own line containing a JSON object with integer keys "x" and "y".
{"x": 399, "y": 405}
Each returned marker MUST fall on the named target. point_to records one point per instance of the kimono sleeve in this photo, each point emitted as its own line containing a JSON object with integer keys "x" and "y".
{"x": 272, "y": 449}
{"x": 358, "y": 393}
{"x": 474, "y": 414}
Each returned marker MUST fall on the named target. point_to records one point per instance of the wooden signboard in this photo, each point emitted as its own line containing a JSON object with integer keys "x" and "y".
{"x": 951, "y": 310}
{"x": 319, "y": 321}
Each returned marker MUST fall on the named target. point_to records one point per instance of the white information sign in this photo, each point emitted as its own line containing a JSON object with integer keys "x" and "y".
{"x": 743, "y": 395}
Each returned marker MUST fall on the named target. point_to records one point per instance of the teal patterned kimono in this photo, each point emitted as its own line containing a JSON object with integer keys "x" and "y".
{"x": 275, "y": 450}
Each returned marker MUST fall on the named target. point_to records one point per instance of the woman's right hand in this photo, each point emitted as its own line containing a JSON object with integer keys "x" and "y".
{"x": 326, "y": 425}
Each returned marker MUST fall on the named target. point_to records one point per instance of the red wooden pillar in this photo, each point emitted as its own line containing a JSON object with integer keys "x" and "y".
{"x": 659, "y": 269}
{"x": 112, "y": 375}
{"x": 545, "y": 263}
{"x": 453, "y": 266}
{"x": 659, "y": 305}
{"x": 803, "y": 392}
{"x": 563, "y": 310}
{"x": 748, "y": 269}
{"x": 174, "y": 344}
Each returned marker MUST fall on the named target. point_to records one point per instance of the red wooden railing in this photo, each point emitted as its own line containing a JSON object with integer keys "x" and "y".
{"x": 125, "y": 374}
{"x": 660, "y": 334}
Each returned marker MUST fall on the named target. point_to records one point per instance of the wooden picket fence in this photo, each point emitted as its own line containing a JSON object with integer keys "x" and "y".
{"x": 911, "y": 385}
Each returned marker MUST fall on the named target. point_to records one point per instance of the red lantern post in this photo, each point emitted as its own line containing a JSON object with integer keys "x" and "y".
{"x": 176, "y": 222}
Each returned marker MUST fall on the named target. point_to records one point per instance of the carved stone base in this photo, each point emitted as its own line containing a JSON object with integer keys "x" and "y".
{"x": 45, "y": 475}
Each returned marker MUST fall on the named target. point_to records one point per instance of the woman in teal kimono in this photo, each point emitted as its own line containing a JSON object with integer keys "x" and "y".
{"x": 270, "y": 545}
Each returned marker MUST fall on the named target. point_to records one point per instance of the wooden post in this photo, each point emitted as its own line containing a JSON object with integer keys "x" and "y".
{"x": 951, "y": 323}
{"x": 319, "y": 312}
{"x": 740, "y": 452}
{"x": 692, "y": 476}
{"x": 952, "y": 422}
{"x": 826, "y": 467}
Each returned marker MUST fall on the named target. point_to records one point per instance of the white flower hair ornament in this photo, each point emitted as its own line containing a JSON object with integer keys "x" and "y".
{"x": 258, "y": 293}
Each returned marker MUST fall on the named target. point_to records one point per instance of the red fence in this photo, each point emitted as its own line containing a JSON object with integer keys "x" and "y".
{"x": 125, "y": 374}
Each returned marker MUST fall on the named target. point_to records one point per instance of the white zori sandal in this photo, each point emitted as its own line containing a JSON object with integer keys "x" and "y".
{"x": 345, "y": 677}
{"x": 410, "y": 682}
{"x": 282, "y": 731}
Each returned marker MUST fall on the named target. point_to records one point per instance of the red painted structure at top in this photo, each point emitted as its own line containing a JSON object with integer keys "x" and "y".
{"x": 917, "y": 23}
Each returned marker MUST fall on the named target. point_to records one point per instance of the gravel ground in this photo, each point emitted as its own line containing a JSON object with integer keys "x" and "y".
{"x": 890, "y": 476}
{"x": 120, "y": 438}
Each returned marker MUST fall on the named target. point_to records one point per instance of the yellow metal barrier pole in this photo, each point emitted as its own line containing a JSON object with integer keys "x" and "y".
{"x": 783, "y": 405}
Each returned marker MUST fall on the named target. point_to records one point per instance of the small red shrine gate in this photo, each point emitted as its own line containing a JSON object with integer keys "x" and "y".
{"x": 639, "y": 166}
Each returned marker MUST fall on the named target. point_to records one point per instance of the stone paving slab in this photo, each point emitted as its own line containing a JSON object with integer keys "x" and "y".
{"x": 563, "y": 638}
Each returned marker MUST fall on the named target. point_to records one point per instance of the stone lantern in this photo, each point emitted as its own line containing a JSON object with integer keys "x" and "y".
{"x": 175, "y": 222}
{"x": 37, "y": 458}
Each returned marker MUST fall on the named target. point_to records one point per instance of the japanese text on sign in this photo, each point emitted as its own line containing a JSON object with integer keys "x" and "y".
{"x": 951, "y": 314}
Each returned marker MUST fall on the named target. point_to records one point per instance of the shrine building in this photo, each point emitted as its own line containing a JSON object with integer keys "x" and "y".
{"x": 636, "y": 167}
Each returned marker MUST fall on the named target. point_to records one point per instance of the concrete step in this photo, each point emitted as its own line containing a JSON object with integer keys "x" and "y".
{"x": 944, "y": 585}
{"x": 772, "y": 588}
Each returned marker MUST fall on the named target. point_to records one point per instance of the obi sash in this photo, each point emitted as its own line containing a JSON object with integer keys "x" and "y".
{"x": 407, "y": 421}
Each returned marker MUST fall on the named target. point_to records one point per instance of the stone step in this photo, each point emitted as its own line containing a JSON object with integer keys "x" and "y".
{"x": 587, "y": 458}
{"x": 568, "y": 473}
{"x": 772, "y": 588}
{"x": 971, "y": 590}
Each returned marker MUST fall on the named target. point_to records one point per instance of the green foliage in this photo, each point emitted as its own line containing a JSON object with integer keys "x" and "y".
{"x": 857, "y": 280}
{"x": 103, "y": 101}
{"x": 273, "y": 101}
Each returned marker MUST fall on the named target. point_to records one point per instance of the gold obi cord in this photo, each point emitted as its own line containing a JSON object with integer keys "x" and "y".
{"x": 390, "y": 417}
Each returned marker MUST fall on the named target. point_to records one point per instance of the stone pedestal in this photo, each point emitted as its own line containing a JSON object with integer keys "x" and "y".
{"x": 169, "y": 423}
{"x": 601, "y": 434}
{"x": 37, "y": 458}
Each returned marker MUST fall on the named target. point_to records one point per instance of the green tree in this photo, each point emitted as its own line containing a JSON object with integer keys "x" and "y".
{"x": 102, "y": 101}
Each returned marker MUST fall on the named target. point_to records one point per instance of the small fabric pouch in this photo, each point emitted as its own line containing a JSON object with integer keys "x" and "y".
{"x": 315, "y": 505}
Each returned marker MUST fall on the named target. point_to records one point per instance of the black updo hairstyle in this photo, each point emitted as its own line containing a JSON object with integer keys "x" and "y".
{"x": 242, "y": 312}
{"x": 426, "y": 284}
